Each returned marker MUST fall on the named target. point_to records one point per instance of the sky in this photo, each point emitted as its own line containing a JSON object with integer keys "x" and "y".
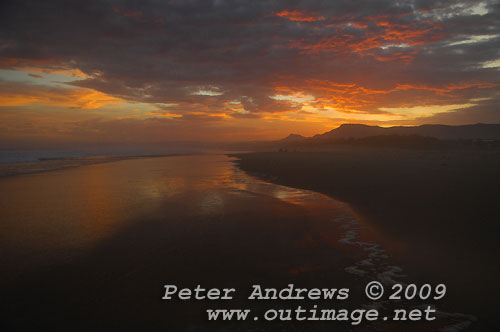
{"x": 76, "y": 72}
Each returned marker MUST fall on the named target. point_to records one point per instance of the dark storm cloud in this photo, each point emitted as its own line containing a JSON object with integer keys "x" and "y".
{"x": 167, "y": 51}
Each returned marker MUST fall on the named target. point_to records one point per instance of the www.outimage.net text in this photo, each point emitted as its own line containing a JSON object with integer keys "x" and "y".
{"x": 373, "y": 290}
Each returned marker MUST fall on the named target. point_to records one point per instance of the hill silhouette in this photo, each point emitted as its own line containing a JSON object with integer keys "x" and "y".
{"x": 424, "y": 136}
{"x": 446, "y": 132}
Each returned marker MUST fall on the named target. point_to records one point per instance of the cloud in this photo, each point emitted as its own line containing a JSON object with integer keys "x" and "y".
{"x": 19, "y": 94}
{"x": 225, "y": 60}
{"x": 298, "y": 16}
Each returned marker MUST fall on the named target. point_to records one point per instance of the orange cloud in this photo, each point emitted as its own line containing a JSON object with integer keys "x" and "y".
{"x": 405, "y": 57}
{"x": 298, "y": 16}
{"x": 447, "y": 88}
{"x": 387, "y": 34}
{"x": 361, "y": 102}
{"x": 45, "y": 65}
{"x": 75, "y": 98}
{"x": 13, "y": 62}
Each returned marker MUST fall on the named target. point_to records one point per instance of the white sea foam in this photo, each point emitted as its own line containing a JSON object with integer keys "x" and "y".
{"x": 375, "y": 264}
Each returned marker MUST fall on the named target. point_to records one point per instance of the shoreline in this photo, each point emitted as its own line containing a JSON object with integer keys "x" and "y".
{"x": 56, "y": 164}
{"x": 437, "y": 204}
{"x": 377, "y": 192}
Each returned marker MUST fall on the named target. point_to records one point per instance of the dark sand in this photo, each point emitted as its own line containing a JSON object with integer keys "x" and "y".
{"x": 439, "y": 209}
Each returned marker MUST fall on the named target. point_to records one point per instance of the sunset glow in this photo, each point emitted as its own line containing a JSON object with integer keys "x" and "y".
{"x": 251, "y": 71}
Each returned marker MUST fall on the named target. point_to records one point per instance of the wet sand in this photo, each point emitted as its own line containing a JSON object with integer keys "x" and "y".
{"x": 438, "y": 209}
{"x": 90, "y": 248}
{"x": 118, "y": 285}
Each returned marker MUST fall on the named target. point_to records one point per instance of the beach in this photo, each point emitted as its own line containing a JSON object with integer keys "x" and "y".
{"x": 92, "y": 247}
{"x": 249, "y": 166}
{"x": 439, "y": 209}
